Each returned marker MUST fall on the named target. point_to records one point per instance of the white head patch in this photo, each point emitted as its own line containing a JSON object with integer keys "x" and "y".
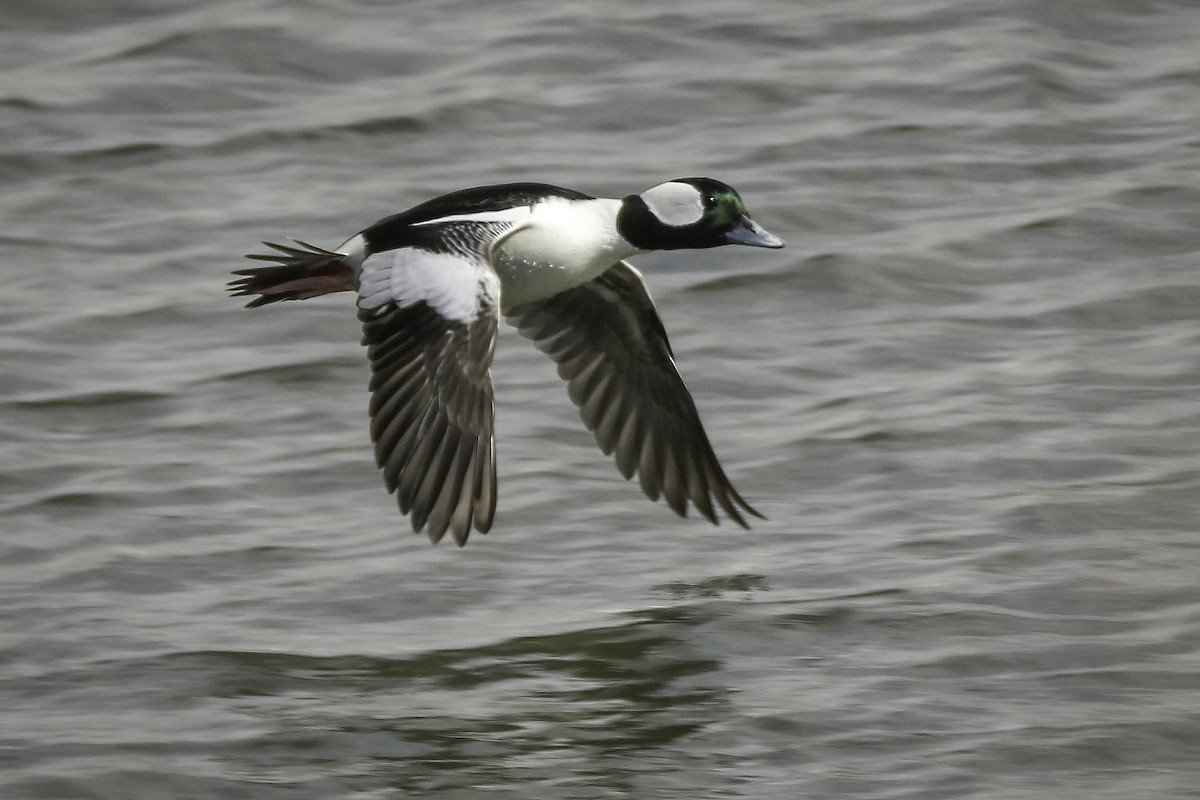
{"x": 674, "y": 203}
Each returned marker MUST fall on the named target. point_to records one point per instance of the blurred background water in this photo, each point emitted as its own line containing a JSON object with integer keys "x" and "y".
{"x": 965, "y": 396}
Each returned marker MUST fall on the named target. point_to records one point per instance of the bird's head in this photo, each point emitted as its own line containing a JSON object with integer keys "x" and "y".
{"x": 687, "y": 214}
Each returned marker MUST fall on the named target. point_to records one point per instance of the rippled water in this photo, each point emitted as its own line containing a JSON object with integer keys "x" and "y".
{"x": 965, "y": 396}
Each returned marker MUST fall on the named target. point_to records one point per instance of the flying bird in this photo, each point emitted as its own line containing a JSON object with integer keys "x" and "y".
{"x": 432, "y": 283}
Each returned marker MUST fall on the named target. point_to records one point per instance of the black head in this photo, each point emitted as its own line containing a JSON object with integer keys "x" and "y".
{"x": 690, "y": 214}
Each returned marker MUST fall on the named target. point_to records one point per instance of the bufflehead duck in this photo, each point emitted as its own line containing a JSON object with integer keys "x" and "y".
{"x": 432, "y": 283}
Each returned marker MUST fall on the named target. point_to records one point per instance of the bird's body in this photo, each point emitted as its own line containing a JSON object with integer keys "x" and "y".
{"x": 432, "y": 283}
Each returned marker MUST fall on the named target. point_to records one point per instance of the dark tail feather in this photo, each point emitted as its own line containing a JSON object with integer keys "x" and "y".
{"x": 298, "y": 273}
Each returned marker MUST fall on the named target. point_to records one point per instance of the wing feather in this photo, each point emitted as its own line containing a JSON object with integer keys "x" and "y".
{"x": 610, "y": 347}
{"x": 432, "y": 408}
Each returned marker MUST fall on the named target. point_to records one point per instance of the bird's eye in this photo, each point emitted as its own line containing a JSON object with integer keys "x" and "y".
{"x": 710, "y": 201}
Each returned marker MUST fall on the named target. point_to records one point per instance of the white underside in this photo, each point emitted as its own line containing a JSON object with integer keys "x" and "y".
{"x": 562, "y": 244}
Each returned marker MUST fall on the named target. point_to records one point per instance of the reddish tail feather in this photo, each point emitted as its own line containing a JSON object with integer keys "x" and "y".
{"x": 296, "y": 274}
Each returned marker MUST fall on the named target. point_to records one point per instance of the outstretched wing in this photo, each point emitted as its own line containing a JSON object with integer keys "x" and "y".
{"x": 611, "y": 348}
{"x": 429, "y": 323}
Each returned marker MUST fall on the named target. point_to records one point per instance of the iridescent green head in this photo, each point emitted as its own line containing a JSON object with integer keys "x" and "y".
{"x": 690, "y": 213}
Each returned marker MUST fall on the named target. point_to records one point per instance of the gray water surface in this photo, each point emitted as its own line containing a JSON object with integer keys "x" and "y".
{"x": 965, "y": 396}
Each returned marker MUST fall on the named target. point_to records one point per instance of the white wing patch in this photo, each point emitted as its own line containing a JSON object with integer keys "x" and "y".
{"x": 513, "y": 215}
{"x": 458, "y": 288}
{"x": 674, "y": 203}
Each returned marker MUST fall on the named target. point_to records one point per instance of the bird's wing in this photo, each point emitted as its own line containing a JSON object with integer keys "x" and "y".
{"x": 429, "y": 323}
{"x": 612, "y": 350}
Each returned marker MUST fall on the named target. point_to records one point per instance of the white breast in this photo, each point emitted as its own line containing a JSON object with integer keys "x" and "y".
{"x": 562, "y": 244}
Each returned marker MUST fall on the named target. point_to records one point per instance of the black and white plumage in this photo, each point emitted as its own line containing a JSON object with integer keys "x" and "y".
{"x": 432, "y": 283}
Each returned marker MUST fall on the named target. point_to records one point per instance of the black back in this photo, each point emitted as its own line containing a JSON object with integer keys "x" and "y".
{"x": 395, "y": 231}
